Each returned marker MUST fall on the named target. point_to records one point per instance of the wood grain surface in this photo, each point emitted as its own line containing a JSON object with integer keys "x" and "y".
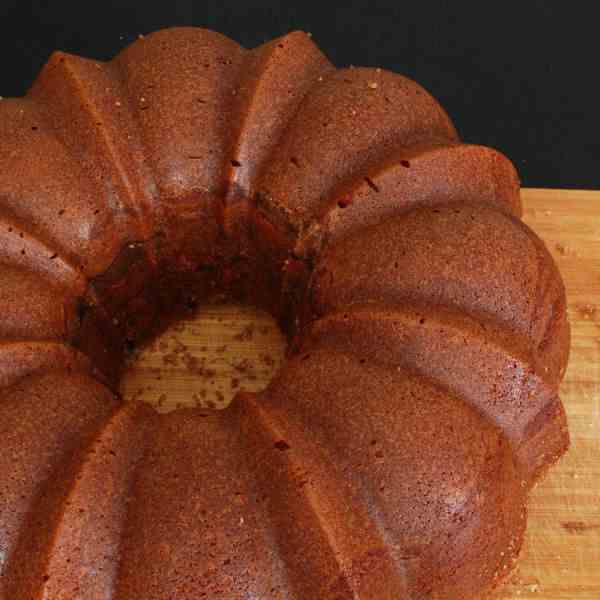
{"x": 207, "y": 359}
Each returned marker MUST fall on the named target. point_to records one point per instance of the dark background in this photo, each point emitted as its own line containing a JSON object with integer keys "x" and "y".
{"x": 519, "y": 76}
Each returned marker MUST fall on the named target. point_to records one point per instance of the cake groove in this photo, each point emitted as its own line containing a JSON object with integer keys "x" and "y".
{"x": 277, "y": 77}
{"x": 227, "y": 549}
{"x": 187, "y": 90}
{"x": 108, "y": 464}
{"x": 43, "y": 185}
{"x": 437, "y": 256}
{"x": 89, "y": 93}
{"x": 429, "y": 180}
{"x": 21, "y": 249}
{"x": 492, "y": 369}
{"x": 323, "y": 558}
{"x": 333, "y": 153}
{"x": 45, "y": 421}
{"x": 380, "y": 436}
{"x": 23, "y": 358}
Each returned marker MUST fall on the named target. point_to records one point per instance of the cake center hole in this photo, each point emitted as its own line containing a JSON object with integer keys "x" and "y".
{"x": 206, "y": 359}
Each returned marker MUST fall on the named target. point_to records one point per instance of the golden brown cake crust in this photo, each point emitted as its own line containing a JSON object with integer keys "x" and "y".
{"x": 391, "y": 456}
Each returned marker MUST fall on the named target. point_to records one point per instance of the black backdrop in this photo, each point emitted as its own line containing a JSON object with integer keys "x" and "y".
{"x": 518, "y": 76}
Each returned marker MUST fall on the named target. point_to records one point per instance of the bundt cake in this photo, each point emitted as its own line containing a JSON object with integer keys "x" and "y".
{"x": 391, "y": 456}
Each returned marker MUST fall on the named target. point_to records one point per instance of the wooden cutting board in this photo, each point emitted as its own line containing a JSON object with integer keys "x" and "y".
{"x": 206, "y": 360}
